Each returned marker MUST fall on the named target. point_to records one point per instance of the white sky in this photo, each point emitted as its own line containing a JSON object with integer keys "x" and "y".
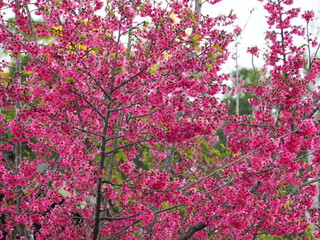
{"x": 253, "y": 34}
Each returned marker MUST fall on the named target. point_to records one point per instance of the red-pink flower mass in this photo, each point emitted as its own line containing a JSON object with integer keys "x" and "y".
{"x": 308, "y": 16}
{"x": 109, "y": 119}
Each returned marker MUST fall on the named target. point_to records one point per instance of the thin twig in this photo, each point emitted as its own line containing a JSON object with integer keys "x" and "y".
{"x": 89, "y": 103}
{"x": 304, "y": 185}
{"x": 130, "y": 144}
{"x": 307, "y": 154}
{"x": 117, "y": 234}
{"x": 130, "y": 79}
{"x": 115, "y": 144}
{"x": 232, "y": 163}
{"x": 217, "y": 188}
{"x": 192, "y": 230}
{"x": 119, "y": 218}
{"x": 169, "y": 208}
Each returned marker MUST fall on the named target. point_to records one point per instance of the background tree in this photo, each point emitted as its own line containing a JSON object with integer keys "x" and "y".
{"x": 249, "y": 79}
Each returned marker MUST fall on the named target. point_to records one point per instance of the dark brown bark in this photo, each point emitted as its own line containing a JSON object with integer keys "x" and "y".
{"x": 192, "y": 230}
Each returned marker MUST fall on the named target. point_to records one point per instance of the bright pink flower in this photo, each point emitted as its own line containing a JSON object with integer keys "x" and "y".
{"x": 254, "y": 51}
{"x": 127, "y": 167}
{"x": 237, "y": 30}
{"x": 308, "y": 15}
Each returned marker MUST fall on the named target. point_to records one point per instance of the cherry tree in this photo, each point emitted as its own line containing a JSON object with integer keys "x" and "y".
{"x": 108, "y": 129}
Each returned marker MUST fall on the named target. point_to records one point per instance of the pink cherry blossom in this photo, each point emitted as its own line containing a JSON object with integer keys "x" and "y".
{"x": 109, "y": 128}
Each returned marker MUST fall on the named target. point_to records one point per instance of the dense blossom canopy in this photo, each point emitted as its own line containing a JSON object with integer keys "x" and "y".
{"x": 109, "y": 114}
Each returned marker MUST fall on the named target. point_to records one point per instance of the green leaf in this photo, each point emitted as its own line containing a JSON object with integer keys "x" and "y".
{"x": 8, "y": 114}
{"x": 209, "y": 66}
{"x": 165, "y": 205}
{"x": 154, "y": 68}
{"x": 211, "y": 54}
{"x": 207, "y": 159}
{"x": 119, "y": 180}
{"x": 120, "y": 155}
{"x": 218, "y": 48}
{"x": 57, "y": 3}
{"x": 83, "y": 37}
{"x": 196, "y": 37}
{"x": 217, "y": 152}
{"x": 193, "y": 20}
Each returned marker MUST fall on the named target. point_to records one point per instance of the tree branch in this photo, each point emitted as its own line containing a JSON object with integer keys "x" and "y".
{"x": 117, "y": 234}
{"x": 89, "y": 103}
{"x": 255, "y": 186}
{"x": 131, "y": 78}
{"x": 119, "y": 218}
{"x": 115, "y": 144}
{"x": 96, "y": 228}
{"x": 33, "y": 34}
{"x": 130, "y": 144}
{"x": 217, "y": 188}
{"x": 304, "y": 185}
{"x": 307, "y": 154}
{"x": 169, "y": 208}
{"x": 170, "y": 153}
{"x": 232, "y": 163}
{"x": 192, "y": 230}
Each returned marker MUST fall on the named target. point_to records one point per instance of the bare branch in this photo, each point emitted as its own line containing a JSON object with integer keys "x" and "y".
{"x": 304, "y": 185}
{"x": 119, "y": 218}
{"x": 96, "y": 228}
{"x": 169, "y": 208}
{"x": 115, "y": 144}
{"x": 117, "y": 234}
{"x": 30, "y": 23}
{"x": 217, "y": 188}
{"x": 97, "y": 84}
{"x": 234, "y": 162}
{"x": 192, "y": 230}
{"x": 89, "y": 103}
{"x": 307, "y": 154}
{"x": 111, "y": 183}
{"x": 313, "y": 112}
{"x": 98, "y": 100}
{"x": 170, "y": 153}
{"x": 121, "y": 108}
{"x": 130, "y": 144}
{"x": 255, "y": 186}
{"x": 85, "y": 131}
{"x": 130, "y": 79}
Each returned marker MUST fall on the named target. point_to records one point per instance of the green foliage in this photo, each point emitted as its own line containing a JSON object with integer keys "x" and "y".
{"x": 244, "y": 107}
{"x": 249, "y": 77}
{"x": 222, "y": 139}
{"x": 24, "y": 61}
{"x": 8, "y": 115}
{"x": 307, "y": 234}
